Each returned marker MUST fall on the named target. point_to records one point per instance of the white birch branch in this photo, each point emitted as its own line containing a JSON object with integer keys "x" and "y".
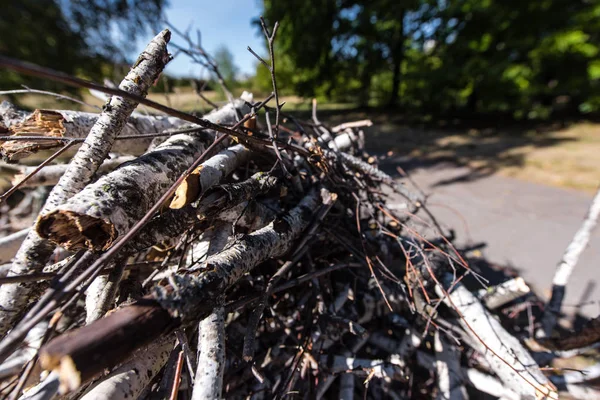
{"x": 35, "y": 251}
{"x": 76, "y": 125}
{"x": 45, "y": 390}
{"x": 227, "y": 267}
{"x": 97, "y": 215}
{"x": 209, "y": 174}
{"x": 13, "y": 364}
{"x": 208, "y": 381}
{"x": 100, "y": 295}
{"x": 566, "y": 266}
{"x": 50, "y": 175}
{"x": 509, "y": 359}
{"x": 496, "y": 296}
{"x": 128, "y": 380}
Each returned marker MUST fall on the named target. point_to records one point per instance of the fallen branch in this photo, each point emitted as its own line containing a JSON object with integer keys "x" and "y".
{"x": 67, "y": 124}
{"x": 209, "y": 174}
{"x": 35, "y": 251}
{"x": 566, "y": 266}
{"x": 130, "y": 379}
{"x": 208, "y": 382}
{"x": 111, "y": 339}
{"x": 97, "y": 215}
{"x": 510, "y": 360}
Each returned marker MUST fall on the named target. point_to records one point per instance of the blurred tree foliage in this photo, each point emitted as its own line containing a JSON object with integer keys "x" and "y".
{"x": 87, "y": 38}
{"x": 525, "y": 58}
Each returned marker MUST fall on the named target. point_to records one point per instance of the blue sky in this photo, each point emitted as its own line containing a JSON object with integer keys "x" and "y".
{"x": 221, "y": 22}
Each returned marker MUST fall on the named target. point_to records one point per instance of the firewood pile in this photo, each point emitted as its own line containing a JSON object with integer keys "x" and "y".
{"x": 244, "y": 254}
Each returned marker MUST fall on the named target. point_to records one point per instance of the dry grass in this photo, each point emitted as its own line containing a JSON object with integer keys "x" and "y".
{"x": 563, "y": 157}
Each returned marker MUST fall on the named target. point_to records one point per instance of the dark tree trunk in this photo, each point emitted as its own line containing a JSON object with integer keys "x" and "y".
{"x": 397, "y": 58}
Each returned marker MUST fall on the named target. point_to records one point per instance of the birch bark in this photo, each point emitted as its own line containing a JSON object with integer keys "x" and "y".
{"x": 109, "y": 207}
{"x": 35, "y": 251}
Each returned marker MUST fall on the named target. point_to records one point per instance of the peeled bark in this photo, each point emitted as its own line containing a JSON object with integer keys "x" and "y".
{"x": 35, "y": 251}
{"x": 209, "y": 174}
{"x": 108, "y": 208}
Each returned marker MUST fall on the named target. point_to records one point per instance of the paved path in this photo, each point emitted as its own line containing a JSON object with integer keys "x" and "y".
{"x": 526, "y": 226}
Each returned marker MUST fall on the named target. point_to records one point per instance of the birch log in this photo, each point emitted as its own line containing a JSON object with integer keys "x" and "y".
{"x": 227, "y": 267}
{"x": 209, "y": 174}
{"x": 109, "y": 207}
{"x": 509, "y": 359}
{"x": 130, "y": 379}
{"x": 35, "y": 251}
{"x": 50, "y": 175}
{"x": 566, "y": 266}
{"x": 208, "y": 382}
{"x": 77, "y": 124}
{"x": 111, "y": 339}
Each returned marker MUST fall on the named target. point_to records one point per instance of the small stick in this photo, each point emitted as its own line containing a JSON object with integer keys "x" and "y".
{"x": 177, "y": 378}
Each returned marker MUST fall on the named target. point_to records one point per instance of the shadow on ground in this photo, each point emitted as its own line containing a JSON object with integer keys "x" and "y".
{"x": 558, "y": 153}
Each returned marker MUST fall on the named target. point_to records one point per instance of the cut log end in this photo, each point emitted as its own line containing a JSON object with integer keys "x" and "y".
{"x": 45, "y": 123}
{"x": 75, "y": 231}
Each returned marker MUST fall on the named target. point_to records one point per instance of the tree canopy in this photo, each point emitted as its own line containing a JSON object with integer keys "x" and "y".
{"x": 67, "y": 34}
{"x": 525, "y": 58}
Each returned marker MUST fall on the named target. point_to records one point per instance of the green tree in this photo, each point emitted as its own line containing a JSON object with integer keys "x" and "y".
{"x": 67, "y": 35}
{"x": 224, "y": 59}
{"x": 528, "y": 59}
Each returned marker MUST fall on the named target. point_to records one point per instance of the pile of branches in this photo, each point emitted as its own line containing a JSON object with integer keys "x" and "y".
{"x": 247, "y": 255}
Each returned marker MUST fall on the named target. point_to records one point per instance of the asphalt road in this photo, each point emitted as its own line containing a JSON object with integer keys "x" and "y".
{"x": 526, "y": 226}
